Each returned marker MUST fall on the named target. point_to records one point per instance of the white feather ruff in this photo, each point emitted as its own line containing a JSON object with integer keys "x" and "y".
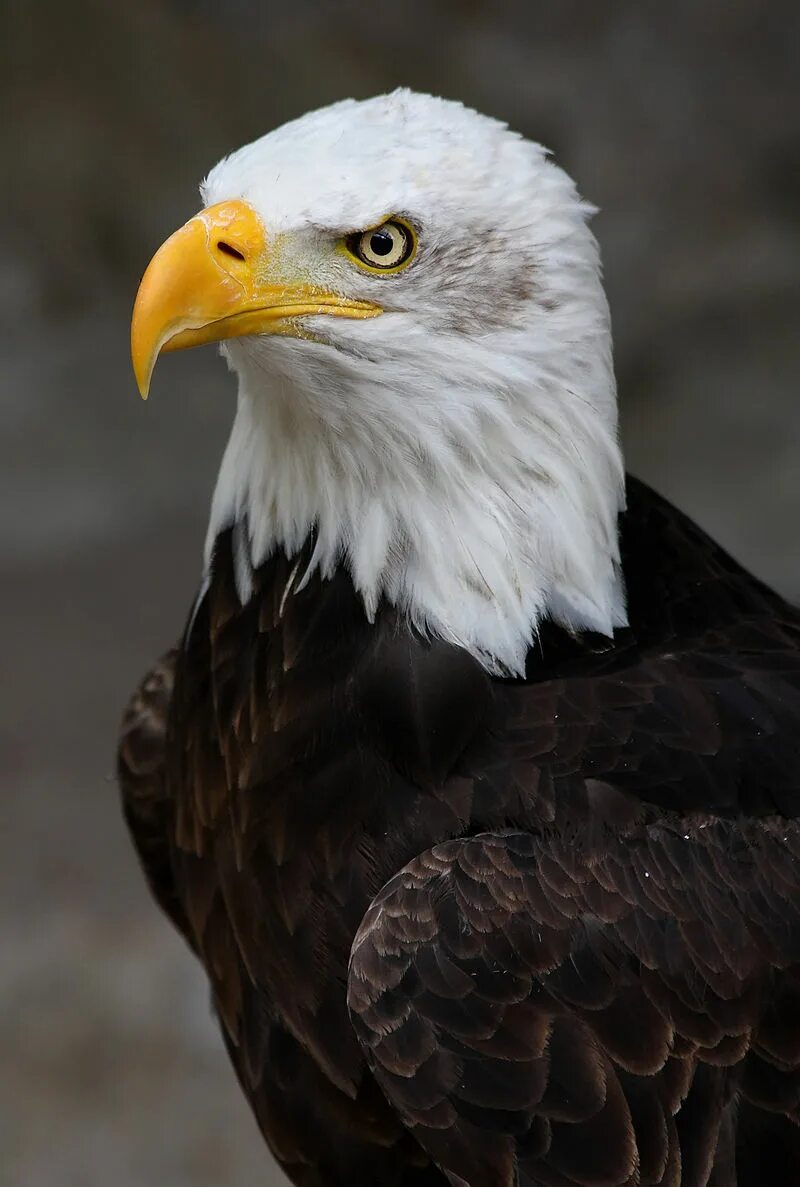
{"x": 458, "y": 453}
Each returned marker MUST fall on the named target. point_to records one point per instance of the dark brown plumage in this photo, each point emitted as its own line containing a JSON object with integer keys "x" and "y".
{"x": 575, "y": 899}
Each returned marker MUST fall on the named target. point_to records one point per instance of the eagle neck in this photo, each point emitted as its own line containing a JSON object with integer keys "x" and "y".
{"x": 475, "y": 525}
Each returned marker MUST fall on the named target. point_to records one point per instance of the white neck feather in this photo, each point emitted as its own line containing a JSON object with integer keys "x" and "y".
{"x": 474, "y": 482}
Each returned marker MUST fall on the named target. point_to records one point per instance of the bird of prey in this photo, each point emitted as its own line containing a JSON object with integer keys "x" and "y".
{"x": 474, "y": 779}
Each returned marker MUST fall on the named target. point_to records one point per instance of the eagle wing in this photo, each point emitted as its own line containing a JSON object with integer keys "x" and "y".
{"x": 543, "y": 1010}
{"x": 143, "y": 784}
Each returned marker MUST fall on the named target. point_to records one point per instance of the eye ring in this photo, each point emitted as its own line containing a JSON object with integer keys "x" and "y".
{"x": 389, "y": 247}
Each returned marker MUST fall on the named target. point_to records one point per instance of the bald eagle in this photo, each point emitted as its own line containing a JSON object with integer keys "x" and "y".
{"x": 474, "y": 778}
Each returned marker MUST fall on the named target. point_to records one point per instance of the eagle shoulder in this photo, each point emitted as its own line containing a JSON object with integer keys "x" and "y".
{"x": 558, "y": 1012}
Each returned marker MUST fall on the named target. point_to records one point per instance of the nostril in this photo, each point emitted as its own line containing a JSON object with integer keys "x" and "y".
{"x": 227, "y": 250}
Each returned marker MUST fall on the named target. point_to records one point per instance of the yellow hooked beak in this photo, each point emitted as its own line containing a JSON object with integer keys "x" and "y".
{"x": 213, "y": 279}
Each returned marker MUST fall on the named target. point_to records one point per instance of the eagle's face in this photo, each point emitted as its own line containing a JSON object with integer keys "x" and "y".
{"x": 411, "y": 298}
{"x": 407, "y": 209}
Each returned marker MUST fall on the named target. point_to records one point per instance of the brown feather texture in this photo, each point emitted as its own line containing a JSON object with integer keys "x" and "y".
{"x": 491, "y": 932}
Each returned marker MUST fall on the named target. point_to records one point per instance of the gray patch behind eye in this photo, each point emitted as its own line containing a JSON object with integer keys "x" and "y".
{"x": 483, "y": 285}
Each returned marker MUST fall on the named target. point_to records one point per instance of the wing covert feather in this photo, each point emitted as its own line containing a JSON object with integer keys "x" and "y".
{"x": 144, "y": 787}
{"x": 526, "y": 1039}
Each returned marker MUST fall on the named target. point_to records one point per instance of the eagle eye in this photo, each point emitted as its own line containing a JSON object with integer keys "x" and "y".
{"x": 385, "y": 248}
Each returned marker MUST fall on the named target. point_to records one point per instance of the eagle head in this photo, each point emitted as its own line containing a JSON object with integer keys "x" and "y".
{"x": 410, "y": 296}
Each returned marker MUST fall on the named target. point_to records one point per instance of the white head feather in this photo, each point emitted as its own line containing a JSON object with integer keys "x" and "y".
{"x": 458, "y": 454}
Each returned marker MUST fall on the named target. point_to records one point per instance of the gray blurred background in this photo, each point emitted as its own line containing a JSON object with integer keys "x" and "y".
{"x": 680, "y": 120}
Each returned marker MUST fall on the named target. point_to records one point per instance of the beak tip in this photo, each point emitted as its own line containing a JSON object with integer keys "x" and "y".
{"x": 142, "y": 378}
{"x": 143, "y": 358}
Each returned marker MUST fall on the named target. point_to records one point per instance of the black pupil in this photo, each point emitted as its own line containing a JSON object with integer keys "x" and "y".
{"x": 381, "y": 243}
